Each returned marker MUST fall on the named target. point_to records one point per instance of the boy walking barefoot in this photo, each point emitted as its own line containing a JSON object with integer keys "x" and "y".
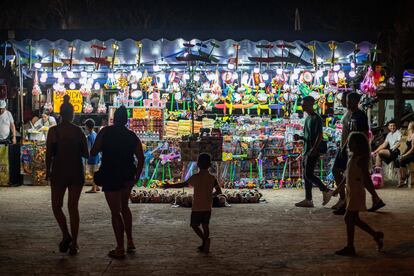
{"x": 357, "y": 174}
{"x": 203, "y": 183}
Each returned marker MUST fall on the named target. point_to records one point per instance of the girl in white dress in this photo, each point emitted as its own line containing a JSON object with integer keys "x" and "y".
{"x": 356, "y": 174}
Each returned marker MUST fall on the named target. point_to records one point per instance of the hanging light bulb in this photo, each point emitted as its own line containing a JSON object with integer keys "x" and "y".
{"x": 94, "y": 76}
{"x": 57, "y": 75}
{"x": 70, "y": 74}
{"x": 72, "y": 85}
{"x": 55, "y": 86}
{"x": 196, "y": 77}
{"x": 139, "y": 75}
{"x": 83, "y": 74}
{"x": 89, "y": 80}
{"x": 235, "y": 76}
{"x": 230, "y": 66}
{"x": 326, "y": 79}
{"x": 337, "y": 67}
{"x": 211, "y": 76}
{"x": 134, "y": 86}
{"x": 37, "y": 65}
{"x": 319, "y": 73}
{"x": 136, "y": 94}
{"x": 43, "y": 76}
{"x": 265, "y": 76}
{"x": 341, "y": 74}
{"x": 82, "y": 80}
{"x": 296, "y": 71}
{"x": 352, "y": 73}
{"x": 161, "y": 78}
{"x": 262, "y": 85}
{"x": 61, "y": 79}
{"x": 134, "y": 73}
{"x": 96, "y": 86}
{"x": 156, "y": 67}
{"x": 279, "y": 71}
{"x": 245, "y": 78}
{"x": 43, "y": 79}
{"x": 352, "y": 64}
{"x": 256, "y": 70}
{"x": 186, "y": 76}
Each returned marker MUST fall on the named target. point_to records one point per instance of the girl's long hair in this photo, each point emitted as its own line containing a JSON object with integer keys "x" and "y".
{"x": 363, "y": 150}
{"x": 410, "y": 129}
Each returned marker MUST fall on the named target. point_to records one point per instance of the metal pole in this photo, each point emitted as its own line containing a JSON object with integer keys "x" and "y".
{"x": 20, "y": 97}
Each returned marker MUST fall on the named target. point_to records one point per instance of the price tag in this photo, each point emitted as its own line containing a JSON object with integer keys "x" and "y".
{"x": 155, "y": 113}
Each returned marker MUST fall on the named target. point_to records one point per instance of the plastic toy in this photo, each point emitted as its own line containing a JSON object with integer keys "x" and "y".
{"x": 377, "y": 178}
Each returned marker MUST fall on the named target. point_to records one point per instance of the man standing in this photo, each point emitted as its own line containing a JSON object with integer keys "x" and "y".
{"x": 312, "y": 137}
{"x": 388, "y": 151}
{"x": 6, "y": 125}
{"x": 354, "y": 120}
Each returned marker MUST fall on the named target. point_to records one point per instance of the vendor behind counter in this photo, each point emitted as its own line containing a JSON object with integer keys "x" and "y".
{"x": 37, "y": 129}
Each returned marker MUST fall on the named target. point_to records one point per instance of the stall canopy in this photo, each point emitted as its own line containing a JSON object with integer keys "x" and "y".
{"x": 164, "y": 52}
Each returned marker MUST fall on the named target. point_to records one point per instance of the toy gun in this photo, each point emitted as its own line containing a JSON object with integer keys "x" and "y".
{"x": 169, "y": 157}
{"x": 228, "y": 156}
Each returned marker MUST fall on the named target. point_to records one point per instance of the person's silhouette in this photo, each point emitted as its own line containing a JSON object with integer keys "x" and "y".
{"x": 65, "y": 146}
{"x": 118, "y": 146}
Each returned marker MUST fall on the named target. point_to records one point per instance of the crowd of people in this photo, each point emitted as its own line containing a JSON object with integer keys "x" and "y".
{"x": 116, "y": 149}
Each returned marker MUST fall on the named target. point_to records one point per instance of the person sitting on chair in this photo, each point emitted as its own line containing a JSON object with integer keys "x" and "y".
{"x": 389, "y": 150}
{"x": 406, "y": 157}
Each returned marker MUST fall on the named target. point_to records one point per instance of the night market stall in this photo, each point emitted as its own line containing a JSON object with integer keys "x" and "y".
{"x": 238, "y": 100}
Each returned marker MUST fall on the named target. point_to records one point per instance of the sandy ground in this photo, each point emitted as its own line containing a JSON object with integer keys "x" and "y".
{"x": 272, "y": 238}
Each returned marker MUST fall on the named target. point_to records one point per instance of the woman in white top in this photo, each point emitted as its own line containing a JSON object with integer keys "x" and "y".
{"x": 43, "y": 124}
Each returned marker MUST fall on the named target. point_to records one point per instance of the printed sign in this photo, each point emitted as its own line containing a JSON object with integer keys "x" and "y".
{"x": 4, "y": 165}
{"x": 155, "y": 113}
{"x": 139, "y": 113}
{"x": 75, "y": 99}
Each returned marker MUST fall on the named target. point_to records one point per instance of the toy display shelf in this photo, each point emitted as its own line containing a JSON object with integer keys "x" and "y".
{"x": 146, "y": 122}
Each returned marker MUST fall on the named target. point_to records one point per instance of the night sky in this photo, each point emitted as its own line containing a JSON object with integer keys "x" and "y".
{"x": 242, "y": 14}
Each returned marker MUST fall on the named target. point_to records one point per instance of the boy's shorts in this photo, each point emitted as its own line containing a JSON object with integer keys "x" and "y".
{"x": 92, "y": 168}
{"x": 200, "y": 217}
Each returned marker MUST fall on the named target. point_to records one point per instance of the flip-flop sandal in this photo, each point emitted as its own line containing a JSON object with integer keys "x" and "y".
{"x": 117, "y": 254}
{"x": 380, "y": 241}
{"x": 73, "y": 251}
{"x": 91, "y": 192}
{"x": 64, "y": 244}
{"x": 206, "y": 248}
{"x": 130, "y": 248}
